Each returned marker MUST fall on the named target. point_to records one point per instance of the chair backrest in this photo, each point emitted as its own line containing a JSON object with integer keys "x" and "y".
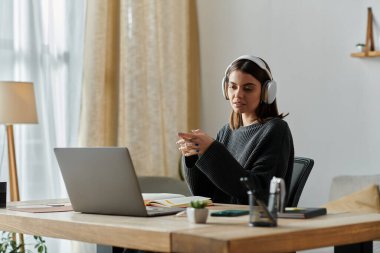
{"x": 163, "y": 185}
{"x": 301, "y": 170}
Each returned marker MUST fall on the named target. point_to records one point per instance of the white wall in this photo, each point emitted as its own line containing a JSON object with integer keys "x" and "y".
{"x": 332, "y": 98}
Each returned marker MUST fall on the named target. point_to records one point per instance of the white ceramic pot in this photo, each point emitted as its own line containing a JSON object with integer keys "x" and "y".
{"x": 361, "y": 48}
{"x": 197, "y": 215}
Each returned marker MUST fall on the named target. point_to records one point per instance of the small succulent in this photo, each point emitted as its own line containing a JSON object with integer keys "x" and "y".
{"x": 198, "y": 204}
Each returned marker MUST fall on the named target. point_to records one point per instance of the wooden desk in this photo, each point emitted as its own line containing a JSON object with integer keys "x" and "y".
{"x": 175, "y": 234}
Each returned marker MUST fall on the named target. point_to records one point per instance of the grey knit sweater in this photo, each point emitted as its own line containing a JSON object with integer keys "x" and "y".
{"x": 258, "y": 151}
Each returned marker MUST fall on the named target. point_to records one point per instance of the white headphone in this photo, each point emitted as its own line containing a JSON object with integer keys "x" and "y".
{"x": 269, "y": 89}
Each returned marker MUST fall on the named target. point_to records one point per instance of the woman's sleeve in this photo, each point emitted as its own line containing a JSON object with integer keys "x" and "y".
{"x": 198, "y": 182}
{"x": 270, "y": 155}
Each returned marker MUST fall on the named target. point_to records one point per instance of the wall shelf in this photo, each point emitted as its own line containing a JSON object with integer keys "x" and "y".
{"x": 369, "y": 49}
{"x": 366, "y": 54}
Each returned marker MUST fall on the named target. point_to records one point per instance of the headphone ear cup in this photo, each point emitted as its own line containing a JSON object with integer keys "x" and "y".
{"x": 225, "y": 95}
{"x": 268, "y": 94}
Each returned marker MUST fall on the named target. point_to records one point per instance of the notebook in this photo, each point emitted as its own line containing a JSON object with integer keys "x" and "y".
{"x": 103, "y": 181}
{"x": 302, "y": 213}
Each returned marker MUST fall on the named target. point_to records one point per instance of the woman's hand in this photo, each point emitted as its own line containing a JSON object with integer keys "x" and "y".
{"x": 194, "y": 143}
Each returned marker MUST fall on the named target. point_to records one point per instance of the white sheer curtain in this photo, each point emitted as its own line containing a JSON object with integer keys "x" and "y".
{"x": 42, "y": 41}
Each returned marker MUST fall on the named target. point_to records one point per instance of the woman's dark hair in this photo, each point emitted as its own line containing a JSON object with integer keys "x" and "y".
{"x": 264, "y": 111}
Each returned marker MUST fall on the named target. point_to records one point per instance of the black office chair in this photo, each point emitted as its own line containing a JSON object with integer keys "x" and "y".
{"x": 301, "y": 170}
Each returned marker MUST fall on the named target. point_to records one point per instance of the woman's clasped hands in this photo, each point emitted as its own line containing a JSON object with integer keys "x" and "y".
{"x": 194, "y": 143}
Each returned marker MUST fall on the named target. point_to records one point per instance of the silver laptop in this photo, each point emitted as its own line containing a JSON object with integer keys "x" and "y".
{"x": 103, "y": 181}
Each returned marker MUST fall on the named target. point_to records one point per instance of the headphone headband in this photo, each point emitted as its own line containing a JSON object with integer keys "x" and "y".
{"x": 269, "y": 88}
{"x": 259, "y": 62}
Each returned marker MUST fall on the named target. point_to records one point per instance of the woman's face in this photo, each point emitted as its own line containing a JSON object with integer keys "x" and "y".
{"x": 244, "y": 93}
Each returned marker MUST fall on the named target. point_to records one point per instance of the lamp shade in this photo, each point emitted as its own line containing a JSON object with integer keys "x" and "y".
{"x": 17, "y": 103}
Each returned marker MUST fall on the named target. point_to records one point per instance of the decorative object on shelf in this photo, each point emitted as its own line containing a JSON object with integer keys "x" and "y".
{"x": 197, "y": 213}
{"x": 368, "y": 49}
{"x": 360, "y": 47}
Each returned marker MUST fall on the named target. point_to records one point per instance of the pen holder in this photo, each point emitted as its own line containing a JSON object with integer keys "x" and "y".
{"x": 259, "y": 215}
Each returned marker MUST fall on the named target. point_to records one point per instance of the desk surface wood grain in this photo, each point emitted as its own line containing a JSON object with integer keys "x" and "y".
{"x": 175, "y": 234}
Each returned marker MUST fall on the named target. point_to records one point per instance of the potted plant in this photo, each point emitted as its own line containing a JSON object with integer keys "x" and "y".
{"x": 9, "y": 244}
{"x": 196, "y": 212}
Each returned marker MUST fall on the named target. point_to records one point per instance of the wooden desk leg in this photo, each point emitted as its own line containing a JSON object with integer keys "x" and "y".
{"x": 364, "y": 247}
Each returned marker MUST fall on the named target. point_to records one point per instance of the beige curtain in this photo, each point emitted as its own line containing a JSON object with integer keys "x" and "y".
{"x": 141, "y": 79}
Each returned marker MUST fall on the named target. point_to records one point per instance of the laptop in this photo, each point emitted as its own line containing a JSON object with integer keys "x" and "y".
{"x": 103, "y": 181}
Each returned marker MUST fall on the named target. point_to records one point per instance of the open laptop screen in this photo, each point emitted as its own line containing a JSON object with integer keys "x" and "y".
{"x": 101, "y": 180}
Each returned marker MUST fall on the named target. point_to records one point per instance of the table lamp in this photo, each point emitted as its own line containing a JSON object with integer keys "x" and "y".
{"x": 17, "y": 106}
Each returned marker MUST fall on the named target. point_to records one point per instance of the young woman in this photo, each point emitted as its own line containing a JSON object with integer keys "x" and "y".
{"x": 256, "y": 143}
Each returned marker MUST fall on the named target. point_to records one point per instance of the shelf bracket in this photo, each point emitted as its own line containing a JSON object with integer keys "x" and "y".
{"x": 369, "y": 43}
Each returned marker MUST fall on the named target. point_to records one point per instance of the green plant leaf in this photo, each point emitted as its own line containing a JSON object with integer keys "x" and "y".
{"x": 198, "y": 204}
{"x": 9, "y": 245}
